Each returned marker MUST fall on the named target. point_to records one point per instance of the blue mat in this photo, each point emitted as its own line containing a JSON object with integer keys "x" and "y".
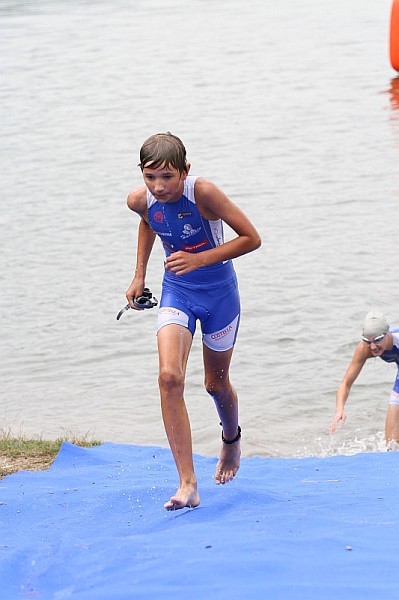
{"x": 93, "y": 527}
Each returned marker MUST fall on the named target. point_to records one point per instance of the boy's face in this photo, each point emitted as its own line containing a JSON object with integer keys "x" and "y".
{"x": 165, "y": 183}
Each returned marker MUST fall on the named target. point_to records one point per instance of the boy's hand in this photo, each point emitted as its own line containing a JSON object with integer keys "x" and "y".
{"x": 182, "y": 262}
{"x": 134, "y": 291}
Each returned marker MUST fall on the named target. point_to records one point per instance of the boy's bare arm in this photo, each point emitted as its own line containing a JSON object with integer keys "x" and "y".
{"x": 213, "y": 204}
{"x": 145, "y": 240}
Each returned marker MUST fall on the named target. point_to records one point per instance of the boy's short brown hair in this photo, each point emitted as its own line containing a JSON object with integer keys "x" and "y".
{"x": 163, "y": 149}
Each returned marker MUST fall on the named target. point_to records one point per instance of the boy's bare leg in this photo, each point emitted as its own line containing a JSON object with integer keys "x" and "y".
{"x": 218, "y": 385}
{"x": 174, "y": 343}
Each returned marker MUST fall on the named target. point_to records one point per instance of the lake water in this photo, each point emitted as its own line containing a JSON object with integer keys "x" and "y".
{"x": 292, "y": 109}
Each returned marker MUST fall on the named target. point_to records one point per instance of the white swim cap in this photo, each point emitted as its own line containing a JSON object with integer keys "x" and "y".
{"x": 374, "y": 324}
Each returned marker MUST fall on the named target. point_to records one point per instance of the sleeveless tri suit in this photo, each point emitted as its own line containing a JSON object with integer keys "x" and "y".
{"x": 209, "y": 294}
{"x": 392, "y": 356}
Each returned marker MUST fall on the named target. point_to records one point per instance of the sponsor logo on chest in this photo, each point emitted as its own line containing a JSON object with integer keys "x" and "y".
{"x": 189, "y": 231}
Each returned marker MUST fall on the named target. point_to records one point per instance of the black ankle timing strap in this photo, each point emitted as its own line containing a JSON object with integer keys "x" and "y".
{"x": 238, "y": 436}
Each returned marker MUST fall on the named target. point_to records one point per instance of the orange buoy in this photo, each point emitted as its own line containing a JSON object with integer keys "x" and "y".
{"x": 394, "y": 35}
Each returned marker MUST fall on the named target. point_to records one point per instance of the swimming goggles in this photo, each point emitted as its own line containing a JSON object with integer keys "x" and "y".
{"x": 377, "y": 340}
{"x": 146, "y": 300}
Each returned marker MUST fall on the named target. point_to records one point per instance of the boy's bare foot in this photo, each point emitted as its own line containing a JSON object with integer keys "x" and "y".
{"x": 228, "y": 463}
{"x": 186, "y": 496}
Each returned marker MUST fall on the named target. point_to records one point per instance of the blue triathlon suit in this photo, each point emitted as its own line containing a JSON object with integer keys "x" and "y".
{"x": 392, "y": 356}
{"x": 209, "y": 294}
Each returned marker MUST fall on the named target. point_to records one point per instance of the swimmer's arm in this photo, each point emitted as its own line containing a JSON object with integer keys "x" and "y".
{"x": 137, "y": 201}
{"x": 360, "y": 356}
{"x": 213, "y": 204}
{"x": 145, "y": 242}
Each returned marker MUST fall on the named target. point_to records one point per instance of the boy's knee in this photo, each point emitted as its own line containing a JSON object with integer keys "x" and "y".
{"x": 215, "y": 389}
{"x": 169, "y": 380}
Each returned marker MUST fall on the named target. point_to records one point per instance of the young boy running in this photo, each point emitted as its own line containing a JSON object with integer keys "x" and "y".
{"x": 199, "y": 283}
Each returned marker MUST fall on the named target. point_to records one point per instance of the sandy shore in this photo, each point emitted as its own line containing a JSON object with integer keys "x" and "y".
{"x": 33, "y": 462}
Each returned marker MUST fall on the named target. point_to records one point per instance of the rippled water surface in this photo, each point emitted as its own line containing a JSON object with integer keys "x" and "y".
{"x": 292, "y": 108}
